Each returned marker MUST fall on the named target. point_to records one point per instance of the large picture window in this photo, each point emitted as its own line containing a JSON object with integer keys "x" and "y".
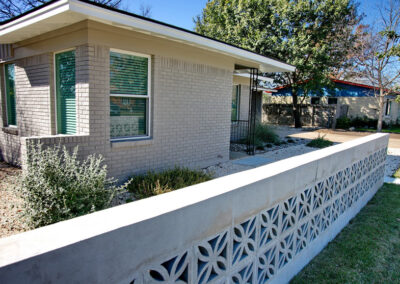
{"x": 129, "y": 95}
{"x": 10, "y": 94}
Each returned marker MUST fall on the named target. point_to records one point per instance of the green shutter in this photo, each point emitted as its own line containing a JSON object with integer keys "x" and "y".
{"x": 128, "y": 74}
{"x": 65, "y": 90}
{"x": 10, "y": 94}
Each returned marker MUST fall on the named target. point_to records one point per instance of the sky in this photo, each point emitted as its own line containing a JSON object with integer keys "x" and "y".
{"x": 175, "y": 12}
{"x": 181, "y": 12}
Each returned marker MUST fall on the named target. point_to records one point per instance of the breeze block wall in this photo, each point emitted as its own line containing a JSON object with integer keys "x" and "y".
{"x": 190, "y": 115}
{"x": 258, "y": 226}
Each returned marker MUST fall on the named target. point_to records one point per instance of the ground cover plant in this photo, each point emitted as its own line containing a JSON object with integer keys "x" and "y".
{"x": 367, "y": 250}
{"x": 397, "y": 173}
{"x": 56, "y": 186}
{"x": 154, "y": 183}
{"x": 319, "y": 142}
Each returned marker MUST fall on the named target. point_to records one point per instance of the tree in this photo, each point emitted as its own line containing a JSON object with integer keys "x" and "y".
{"x": 13, "y": 8}
{"x": 377, "y": 55}
{"x": 313, "y": 35}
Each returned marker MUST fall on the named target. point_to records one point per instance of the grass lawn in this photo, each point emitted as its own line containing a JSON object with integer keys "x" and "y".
{"x": 389, "y": 130}
{"x": 367, "y": 250}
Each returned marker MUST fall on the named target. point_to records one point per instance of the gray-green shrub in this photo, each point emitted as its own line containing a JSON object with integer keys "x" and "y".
{"x": 265, "y": 133}
{"x": 155, "y": 183}
{"x": 56, "y": 186}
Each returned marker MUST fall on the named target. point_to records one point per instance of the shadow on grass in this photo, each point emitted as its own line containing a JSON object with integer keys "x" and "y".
{"x": 368, "y": 248}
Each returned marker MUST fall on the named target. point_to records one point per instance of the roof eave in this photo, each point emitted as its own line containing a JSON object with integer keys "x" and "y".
{"x": 83, "y": 10}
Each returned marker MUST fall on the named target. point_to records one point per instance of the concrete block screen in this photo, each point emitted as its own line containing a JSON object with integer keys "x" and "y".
{"x": 258, "y": 226}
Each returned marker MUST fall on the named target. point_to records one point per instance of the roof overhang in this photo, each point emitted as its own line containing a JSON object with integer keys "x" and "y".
{"x": 248, "y": 75}
{"x": 62, "y": 13}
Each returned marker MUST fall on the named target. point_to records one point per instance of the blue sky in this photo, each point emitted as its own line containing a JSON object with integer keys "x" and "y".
{"x": 175, "y": 12}
{"x": 181, "y": 12}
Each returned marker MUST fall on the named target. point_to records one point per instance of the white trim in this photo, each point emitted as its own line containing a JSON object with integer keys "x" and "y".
{"x": 55, "y": 91}
{"x": 247, "y": 75}
{"x": 36, "y": 16}
{"x": 148, "y": 97}
{"x": 88, "y": 11}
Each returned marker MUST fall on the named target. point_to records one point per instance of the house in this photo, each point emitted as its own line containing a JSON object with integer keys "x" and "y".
{"x": 350, "y": 99}
{"x": 142, "y": 93}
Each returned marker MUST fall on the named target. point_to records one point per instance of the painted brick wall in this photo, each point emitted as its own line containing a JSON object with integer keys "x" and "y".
{"x": 33, "y": 85}
{"x": 190, "y": 115}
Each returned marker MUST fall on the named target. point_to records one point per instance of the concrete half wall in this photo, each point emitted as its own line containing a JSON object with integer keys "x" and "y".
{"x": 261, "y": 225}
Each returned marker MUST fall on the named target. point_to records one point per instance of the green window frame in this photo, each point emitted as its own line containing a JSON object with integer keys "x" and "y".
{"x": 65, "y": 92}
{"x": 235, "y": 103}
{"x": 130, "y": 77}
{"x": 11, "y": 106}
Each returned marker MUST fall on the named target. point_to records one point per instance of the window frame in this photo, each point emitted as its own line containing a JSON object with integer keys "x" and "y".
{"x": 315, "y": 98}
{"x": 148, "y": 97}
{"x": 55, "y": 92}
{"x": 238, "y": 91}
{"x": 332, "y": 98}
{"x": 6, "y": 96}
{"x": 388, "y": 107}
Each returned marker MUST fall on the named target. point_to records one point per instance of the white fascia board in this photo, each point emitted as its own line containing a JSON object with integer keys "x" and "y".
{"x": 34, "y": 17}
{"x": 113, "y": 17}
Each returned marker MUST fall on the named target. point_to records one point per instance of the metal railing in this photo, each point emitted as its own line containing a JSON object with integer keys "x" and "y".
{"x": 239, "y": 131}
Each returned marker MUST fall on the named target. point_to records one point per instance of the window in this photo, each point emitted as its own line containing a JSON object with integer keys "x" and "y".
{"x": 9, "y": 74}
{"x": 129, "y": 95}
{"x": 315, "y": 100}
{"x": 388, "y": 107}
{"x": 235, "y": 103}
{"x": 332, "y": 101}
{"x": 65, "y": 92}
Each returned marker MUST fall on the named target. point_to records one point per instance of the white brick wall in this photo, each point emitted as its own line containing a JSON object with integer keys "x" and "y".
{"x": 191, "y": 106}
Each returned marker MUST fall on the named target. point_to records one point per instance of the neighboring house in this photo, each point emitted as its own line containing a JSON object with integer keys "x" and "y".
{"x": 352, "y": 100}
{"x": 144, "y": 94}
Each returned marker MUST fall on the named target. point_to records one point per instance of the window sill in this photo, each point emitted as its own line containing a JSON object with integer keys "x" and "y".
{"x": 118, "y": 144}
{"x": 10, "y": 130}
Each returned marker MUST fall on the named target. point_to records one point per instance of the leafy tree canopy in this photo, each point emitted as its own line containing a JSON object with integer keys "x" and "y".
{"x": 313, "y": 35}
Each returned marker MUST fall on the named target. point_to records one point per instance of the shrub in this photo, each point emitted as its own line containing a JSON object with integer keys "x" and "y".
{"x": 265, "y": 133}
{"x": 56, "y": 186}
{"x": 154, "y": 183}
{"x": 343, "y": 123}
{"x": 320, "y": 142}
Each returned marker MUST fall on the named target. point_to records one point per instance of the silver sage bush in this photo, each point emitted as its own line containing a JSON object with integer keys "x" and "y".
{"x": 56, "y": 186}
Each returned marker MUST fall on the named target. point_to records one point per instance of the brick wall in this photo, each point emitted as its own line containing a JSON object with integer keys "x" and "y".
{"x": 190, "y": 115}
{"x": 32, "y": 85}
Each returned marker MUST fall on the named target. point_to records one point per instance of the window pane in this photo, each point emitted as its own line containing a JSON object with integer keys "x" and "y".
{"x": 65, "y": 88}
{"x": 235, "y": 103}
{"x": 128, "y": 74}
{"x": 128, "y": 117}
{"x": 10, "y": 94}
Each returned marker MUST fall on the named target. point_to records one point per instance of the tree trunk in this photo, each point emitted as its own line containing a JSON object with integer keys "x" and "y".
{"x": 296, "y": 110}
{"x": 381, "y": 110}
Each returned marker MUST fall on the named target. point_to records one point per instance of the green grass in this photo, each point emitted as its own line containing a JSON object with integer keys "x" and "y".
{"x": 367, "y": 250}
{"x": 154, "y": 183}
{"x": 319, "y": 142}
{"x": 389, "y": 130}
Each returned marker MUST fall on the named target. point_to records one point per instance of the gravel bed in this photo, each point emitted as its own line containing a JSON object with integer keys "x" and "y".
{"x": 283, "y": 152}
{"x": 392, "y": 161}
{"x": 11, "y": 218}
